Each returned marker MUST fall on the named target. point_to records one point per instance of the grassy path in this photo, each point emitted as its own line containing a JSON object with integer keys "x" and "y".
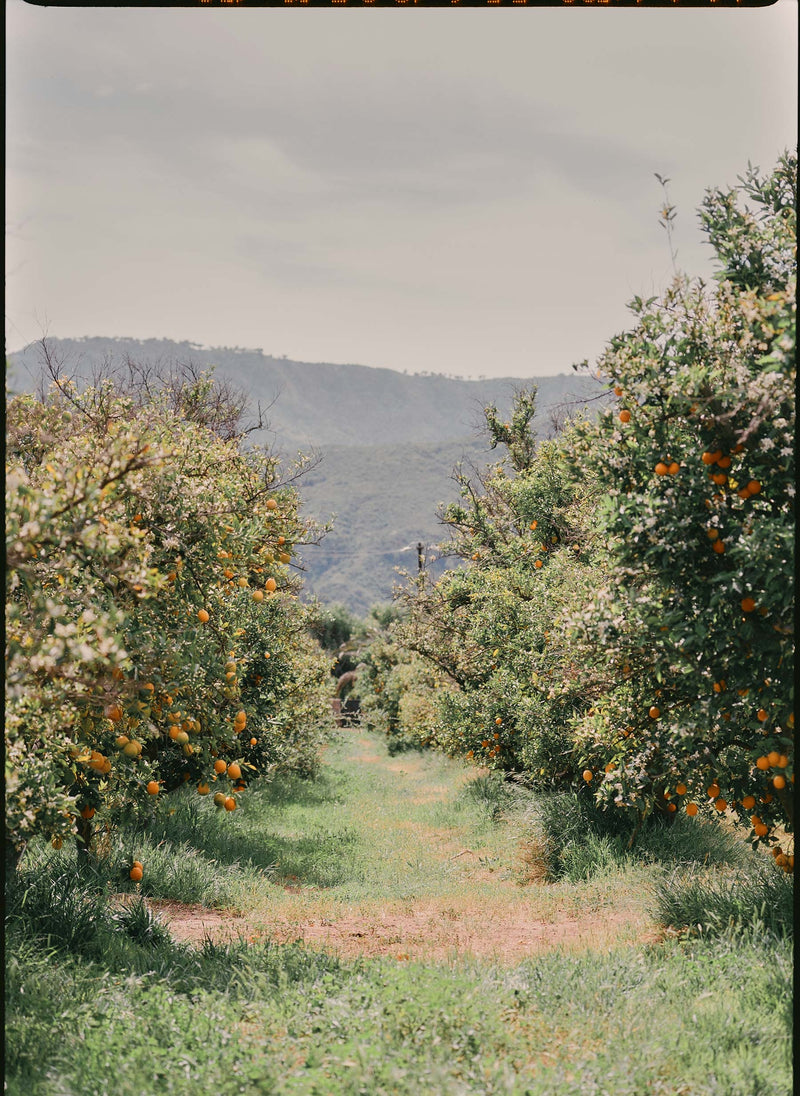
{"x": 433, "y": 960}
{"x": 398, "y": 857}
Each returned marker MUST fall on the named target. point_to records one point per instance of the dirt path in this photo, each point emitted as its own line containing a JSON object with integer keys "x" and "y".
{"x": 442, "y": 889}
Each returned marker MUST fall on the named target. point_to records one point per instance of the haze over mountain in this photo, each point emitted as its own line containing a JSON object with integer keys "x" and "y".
{"x": 388, "y": 442}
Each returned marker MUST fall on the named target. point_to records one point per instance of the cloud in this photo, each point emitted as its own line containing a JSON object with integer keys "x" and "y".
{"x": 490, "y": 173}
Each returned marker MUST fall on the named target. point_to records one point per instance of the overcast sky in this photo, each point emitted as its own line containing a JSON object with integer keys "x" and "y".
{"x": 465, "y": 191}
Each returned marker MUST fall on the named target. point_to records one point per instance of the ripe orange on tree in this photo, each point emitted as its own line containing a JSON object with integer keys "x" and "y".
{"x": 219, "y": 766}
{"x": 625, "y": 415}
{"x": 153, "y": 787}
{"x": 136, "y": 873}
{"x": 230, "y": 803}
{"x": 202, "y": 616}
{"x": 234, "y": 770}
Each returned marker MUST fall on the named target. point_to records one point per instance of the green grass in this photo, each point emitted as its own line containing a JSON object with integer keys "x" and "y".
{"x": 759, "y": 894}
{"x": 712, "y": 1018}
{"x": 580, "y": 841}
{"x": 101, "y": 999}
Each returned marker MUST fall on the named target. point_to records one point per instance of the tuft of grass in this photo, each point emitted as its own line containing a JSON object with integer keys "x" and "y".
{"x": 580, "y": 841}
{"x": 495, "y": 795}
{"x": 759, "y": 897}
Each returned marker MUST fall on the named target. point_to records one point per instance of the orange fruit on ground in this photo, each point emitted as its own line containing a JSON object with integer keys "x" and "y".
{"x": 748, "y": 604}
{"x": 587, "y": 775}
{"x": 203, "y": 789}
{"x": 230, "y": 803}
{"x": 203, "y": 616}
{"x": 654, "y": 712}
{"x": 661, "y": 469}
{"x": 234, "y": 771}
{"x": 136, "y": 873}
{"x": 625, "y": 415}
{"x": 153, "y": 787}
{"x": 779, "y": 782}
{"x": 691, "y": 809}
{"x": 219, "y": 766}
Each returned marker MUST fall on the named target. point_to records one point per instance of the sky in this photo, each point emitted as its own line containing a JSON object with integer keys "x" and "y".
{"x": 462, "y": 191}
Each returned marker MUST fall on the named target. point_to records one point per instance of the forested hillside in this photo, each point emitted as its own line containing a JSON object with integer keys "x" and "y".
{"x": 384, "y": 443}
{"x": 310, "y": 404}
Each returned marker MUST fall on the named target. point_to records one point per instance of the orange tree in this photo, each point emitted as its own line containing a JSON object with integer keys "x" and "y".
{"x": 523, "y": 530}
{"x": 692, "y": 628}
{"x": 153, "y": 635}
